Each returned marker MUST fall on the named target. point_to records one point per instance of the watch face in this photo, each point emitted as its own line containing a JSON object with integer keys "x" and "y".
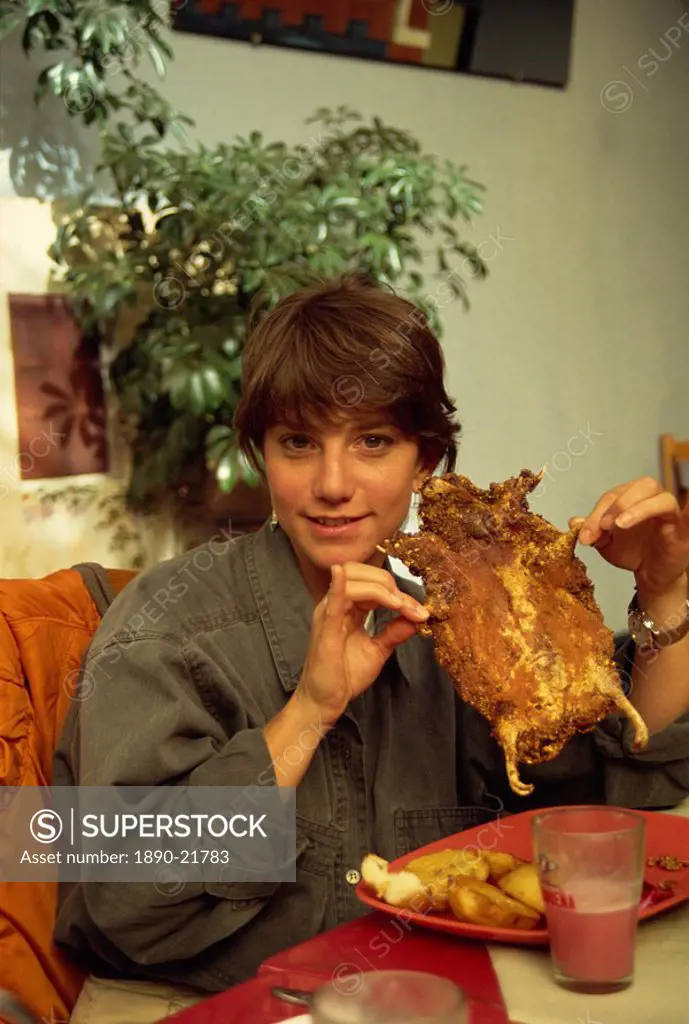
{"x": 641, "y": 635}
{"x": 646, "y": 634}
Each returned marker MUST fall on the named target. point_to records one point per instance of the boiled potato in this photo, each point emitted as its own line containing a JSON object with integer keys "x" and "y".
{"x": 438, "y": 871}
{"x": 401, "y": 889}
{"x": 485, "y": 904}
{"x": 438, "y": 867}
{"x": 374, "y": 871}
{"x": 482, "y": 903}
{"x": 500, "y": 864}
{"x": 407, "y": 891}
{"x": 522, "y": 884}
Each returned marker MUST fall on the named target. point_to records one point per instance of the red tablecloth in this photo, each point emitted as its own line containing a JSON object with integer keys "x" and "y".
{"x": 373, "y": 942}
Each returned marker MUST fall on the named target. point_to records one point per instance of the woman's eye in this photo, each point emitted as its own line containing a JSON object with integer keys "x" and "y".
{"x": 296, "y": 442}
{"x": 376, "y": 442}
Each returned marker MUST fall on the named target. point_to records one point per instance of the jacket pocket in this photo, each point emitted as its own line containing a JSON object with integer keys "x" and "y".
{"x": 419, "y": 826}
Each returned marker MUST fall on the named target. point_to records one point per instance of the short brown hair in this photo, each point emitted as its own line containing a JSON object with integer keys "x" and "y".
{"x": 346, "y": 345}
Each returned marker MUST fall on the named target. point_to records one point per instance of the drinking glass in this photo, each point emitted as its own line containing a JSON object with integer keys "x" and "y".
{"x": 390, "y": 997}
{"x": 591, "y": 864}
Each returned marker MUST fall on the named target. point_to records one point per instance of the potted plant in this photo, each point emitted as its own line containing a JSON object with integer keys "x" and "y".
{"x": 171, "y": 246}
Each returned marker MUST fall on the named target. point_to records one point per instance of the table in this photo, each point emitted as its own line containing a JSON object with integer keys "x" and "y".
{"x": 663, "y": 945}
{"x": 524, "y": 975}
{"x": 367, "y": 943}
{"x": 683, "y": 809}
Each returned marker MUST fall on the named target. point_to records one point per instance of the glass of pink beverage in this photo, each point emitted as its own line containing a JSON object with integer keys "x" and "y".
{"x": 591, "y": 865}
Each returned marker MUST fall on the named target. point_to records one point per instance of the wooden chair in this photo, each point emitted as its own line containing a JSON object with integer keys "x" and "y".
{"x": 674, "y": 467}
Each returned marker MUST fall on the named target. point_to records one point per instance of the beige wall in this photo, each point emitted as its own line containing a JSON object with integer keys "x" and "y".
{"x": 37, "y": 537}
{"x": 574, "y": 354}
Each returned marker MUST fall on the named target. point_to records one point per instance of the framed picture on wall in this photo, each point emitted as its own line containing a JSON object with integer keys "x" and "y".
{"x": 59, "y": 393}
{"x": 520, "y": 40}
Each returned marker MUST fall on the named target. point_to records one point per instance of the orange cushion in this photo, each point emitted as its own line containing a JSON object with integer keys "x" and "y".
{"x": 45, "y": 627}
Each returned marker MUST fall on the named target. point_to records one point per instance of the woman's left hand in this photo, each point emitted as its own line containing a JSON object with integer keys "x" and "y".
{"x": 639, "y": 526}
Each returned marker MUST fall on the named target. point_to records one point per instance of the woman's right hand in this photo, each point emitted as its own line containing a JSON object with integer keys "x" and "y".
{"x": 343, "y": 660}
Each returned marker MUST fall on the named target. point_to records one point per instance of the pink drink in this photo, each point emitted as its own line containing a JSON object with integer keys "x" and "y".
{"x": 591, "y": 862}
{"x": 590, "y": 942}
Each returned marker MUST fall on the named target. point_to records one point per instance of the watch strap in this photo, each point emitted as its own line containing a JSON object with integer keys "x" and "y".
{"x": 646, "y": 633}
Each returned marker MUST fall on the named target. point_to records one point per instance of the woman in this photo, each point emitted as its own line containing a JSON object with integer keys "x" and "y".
{"x": 292, "y": 659}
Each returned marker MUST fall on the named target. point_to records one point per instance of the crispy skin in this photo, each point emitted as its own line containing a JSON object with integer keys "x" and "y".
{"x": 513, "y": 617}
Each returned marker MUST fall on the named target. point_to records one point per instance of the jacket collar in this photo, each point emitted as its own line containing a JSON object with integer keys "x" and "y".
{"x": 283, "y": 600}
{"x": 286, "y": 606}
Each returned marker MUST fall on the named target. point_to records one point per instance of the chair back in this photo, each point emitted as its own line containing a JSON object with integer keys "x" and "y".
{"x": 674, "y": 467}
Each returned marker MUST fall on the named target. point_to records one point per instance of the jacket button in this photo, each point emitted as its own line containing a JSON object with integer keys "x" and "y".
{"x": 353, "y": 877}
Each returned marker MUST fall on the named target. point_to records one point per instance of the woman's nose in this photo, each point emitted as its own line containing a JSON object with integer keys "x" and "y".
{"x": 333, "y": 481}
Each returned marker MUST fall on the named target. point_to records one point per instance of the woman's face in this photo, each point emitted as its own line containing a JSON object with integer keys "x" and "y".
{"x": 340, "y": 490}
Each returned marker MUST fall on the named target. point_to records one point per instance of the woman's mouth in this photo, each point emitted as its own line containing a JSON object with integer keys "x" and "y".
{"x": 334, "y": 526}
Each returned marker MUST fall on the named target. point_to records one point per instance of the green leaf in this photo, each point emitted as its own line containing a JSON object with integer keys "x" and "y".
{"x": 230, "y": 346}
{"x": 155, "y": 53}
{"x": 253, "y": 279}
{"x": 213, "y": 386}
{"x": 34, "y": 7}
{"x": 86, "y": 31}
{"x": 33, "y": 33}
{"x": 226, "y": 472}
{"x": 218, "y": 440}
{"x": 393, "y": 259}
{"x": 162, "y": 44}
{"x": 234, "y": 368}
{"x": 115, "y": 24}
{"x": 247, "y": 471}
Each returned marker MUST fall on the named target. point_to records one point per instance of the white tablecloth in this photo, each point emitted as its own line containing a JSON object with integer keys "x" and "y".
{"x": 659, "y": 995}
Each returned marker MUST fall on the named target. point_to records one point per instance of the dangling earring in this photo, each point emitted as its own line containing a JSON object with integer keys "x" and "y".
{"x": 273, "y": 521}
{"x": 413, "y": 515}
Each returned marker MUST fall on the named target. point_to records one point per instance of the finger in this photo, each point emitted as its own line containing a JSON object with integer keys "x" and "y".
{"x": 661, "y": 506}
{"x": 395, "y": 633}
{"x": 358, "y": 572}
{"x": 590, "y": 529}
{"x": 640, "y": 491}
{"x": 594, "y": 524}
{"x": 362, "y": 572}
{"x": 372, "y": 595}
{"x": 334, "y": 604}
{"x": 603, "y": 537}
{"x": 594, "y": 536}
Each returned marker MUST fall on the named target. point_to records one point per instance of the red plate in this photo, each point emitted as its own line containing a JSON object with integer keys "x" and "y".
{"x": 665, "y": 834}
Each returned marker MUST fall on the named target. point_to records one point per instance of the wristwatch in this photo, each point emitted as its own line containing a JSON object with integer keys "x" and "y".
{"x": 646, "y": 633}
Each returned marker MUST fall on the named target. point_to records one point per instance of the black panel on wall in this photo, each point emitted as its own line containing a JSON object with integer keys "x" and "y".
{"x": 526, "y": 40}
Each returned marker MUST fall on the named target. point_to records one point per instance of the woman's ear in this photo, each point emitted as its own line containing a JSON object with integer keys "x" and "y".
{"x": 422, "y": 475}
{"x": 427, "y": 462}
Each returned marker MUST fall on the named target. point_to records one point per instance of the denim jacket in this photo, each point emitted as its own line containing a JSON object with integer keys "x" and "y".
{"x": 190, "y": 662}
